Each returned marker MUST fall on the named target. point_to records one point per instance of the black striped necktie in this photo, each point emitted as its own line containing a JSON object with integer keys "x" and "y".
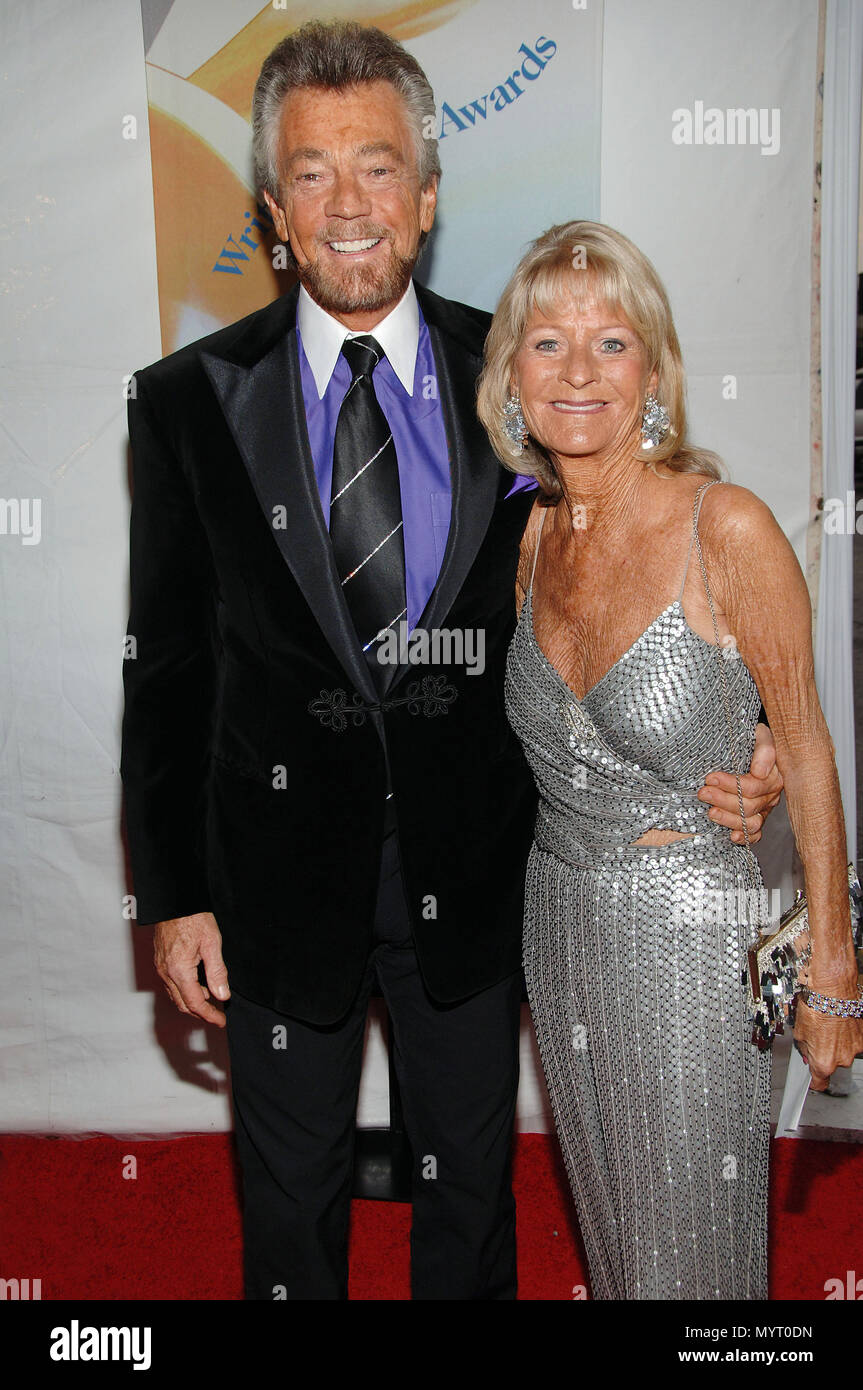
{"x": 365, "y": 506}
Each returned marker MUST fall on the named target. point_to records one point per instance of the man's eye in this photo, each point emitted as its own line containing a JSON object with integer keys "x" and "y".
{"x": 308, "y": 177}
{"x": 381, "y": 171}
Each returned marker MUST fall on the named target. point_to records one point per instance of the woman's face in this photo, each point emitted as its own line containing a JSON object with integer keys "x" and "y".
{"x": 581, "y": 373}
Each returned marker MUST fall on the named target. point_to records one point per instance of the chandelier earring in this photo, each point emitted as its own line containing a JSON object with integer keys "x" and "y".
{"x": 514, "y": 426}
{"x": 655, "y": 422}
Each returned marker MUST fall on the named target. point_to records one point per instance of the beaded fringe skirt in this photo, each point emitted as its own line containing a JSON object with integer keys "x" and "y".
{"x": 661, "y": 1102}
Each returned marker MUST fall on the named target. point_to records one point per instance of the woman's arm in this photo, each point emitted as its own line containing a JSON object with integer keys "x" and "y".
{"x": 760, "y": 587}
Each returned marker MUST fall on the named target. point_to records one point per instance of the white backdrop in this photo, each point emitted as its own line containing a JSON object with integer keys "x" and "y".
{"x": 87, "y": 1039}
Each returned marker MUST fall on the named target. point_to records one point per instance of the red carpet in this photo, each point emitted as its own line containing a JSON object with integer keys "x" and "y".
{"x": 71, "y": 1219}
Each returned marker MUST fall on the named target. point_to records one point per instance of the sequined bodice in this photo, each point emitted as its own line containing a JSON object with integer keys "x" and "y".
{"x": 632, "y": 754}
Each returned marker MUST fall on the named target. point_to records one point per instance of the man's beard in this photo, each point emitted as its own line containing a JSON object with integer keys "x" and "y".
{"x": 359, "y": 288}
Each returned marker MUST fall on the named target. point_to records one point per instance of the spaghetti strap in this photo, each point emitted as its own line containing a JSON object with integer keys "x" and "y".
{"x": 696, "y": 508}
{"x": 536, "y": 551}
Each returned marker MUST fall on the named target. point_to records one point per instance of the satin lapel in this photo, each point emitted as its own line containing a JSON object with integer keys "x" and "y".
{"x": 474, "y": 471}
{"x": 263, "y": 405}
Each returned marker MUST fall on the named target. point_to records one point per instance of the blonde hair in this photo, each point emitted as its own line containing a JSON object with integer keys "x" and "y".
{"x": 581, "y": 260}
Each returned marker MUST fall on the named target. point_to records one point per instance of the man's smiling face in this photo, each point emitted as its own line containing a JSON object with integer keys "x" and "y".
{"x": 351, "y": 203}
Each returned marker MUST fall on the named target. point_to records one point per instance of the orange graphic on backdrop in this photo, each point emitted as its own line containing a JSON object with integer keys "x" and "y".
{"x": 231, "y": 73}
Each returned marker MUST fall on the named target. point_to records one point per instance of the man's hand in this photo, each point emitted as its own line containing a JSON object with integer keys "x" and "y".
{"x": 761, "y": 787}
{"x": 179, "y": 944}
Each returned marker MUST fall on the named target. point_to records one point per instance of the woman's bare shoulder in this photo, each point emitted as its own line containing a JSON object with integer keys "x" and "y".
{"x": 750, "y": 557}
{"x": 732, "y": 513}
{"x": 733, "y": 502}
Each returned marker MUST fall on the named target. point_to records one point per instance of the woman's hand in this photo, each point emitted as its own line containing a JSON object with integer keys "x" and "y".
{"x": 826, "y": 1043}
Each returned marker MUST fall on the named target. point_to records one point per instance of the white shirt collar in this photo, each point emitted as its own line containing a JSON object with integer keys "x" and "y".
{"x": 322, "y": 335}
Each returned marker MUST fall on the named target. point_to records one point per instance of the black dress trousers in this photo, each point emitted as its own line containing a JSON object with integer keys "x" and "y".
{"x": 295, "y": 1089}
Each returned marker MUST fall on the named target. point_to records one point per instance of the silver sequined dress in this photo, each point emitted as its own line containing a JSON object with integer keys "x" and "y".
{"x": 633, "y": 959}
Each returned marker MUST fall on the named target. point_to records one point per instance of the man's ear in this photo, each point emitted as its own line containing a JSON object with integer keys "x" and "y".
{"x": 277, "y": 213}
{"x": 428, "y": 204}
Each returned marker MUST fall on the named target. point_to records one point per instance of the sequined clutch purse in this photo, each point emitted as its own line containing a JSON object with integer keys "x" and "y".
{"x": 776, "y": 965}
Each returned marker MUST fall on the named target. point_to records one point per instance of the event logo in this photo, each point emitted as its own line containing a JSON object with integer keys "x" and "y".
{"x": 503, "y": 94}
{"x": 232, "y": 251}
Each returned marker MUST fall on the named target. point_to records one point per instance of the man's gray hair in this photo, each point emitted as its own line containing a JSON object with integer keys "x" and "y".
{"x": 335, "y": 57}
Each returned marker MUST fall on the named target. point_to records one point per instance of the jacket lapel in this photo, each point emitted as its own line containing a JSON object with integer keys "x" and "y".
{"x": 259, "y": 388}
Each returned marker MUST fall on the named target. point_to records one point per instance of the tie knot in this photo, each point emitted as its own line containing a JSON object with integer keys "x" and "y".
{"x": 362, "y": 354}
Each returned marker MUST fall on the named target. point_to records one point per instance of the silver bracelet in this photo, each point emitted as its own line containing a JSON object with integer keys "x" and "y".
{"x": 835, "y": 1008}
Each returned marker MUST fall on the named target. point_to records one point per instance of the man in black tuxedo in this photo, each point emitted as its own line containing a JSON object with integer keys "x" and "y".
{"x": 309, "y": 484}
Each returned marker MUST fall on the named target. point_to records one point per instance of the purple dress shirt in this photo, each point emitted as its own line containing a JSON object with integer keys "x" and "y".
{"x": 419, "y": 435}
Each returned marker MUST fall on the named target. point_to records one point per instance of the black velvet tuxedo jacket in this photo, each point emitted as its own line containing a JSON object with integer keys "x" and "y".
{"x": 255, "y": 745}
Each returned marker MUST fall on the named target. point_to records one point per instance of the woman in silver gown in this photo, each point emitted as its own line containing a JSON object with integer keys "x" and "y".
{"x": 658, "y": 607}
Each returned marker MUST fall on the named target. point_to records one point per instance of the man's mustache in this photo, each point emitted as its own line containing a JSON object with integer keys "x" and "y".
{"x": 364, "y": 232}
